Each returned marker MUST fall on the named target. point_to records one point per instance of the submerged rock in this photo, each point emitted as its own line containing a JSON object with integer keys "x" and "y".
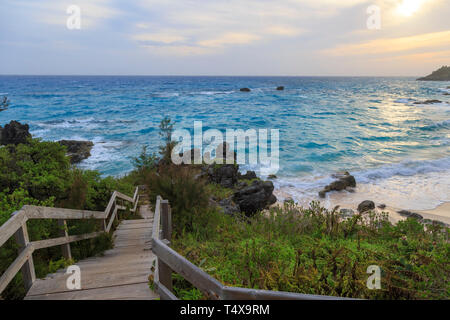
{"x": 272, "y": 177}
{"x": 280, "y": 88}
{"x": 366, "y": 206}
{"x": 77, "y": 150}
{"x": 245, "y": 90}
{"x": 255, "y": 197}
{"x": 428, "y": 102}
{"x": 344, "y": 180}
{"x": 14, "y": 133}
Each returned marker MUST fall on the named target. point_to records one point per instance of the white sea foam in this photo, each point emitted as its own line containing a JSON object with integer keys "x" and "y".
{"x": 417, "y": 185}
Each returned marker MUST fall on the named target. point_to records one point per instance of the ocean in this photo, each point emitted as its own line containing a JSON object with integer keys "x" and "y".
{"x": 398, "y": 151}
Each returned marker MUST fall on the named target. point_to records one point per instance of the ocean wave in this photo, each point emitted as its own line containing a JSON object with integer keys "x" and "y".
{"x": 164, "y": 94}
{"x": 404, "y": 168}
{"x": 436, "y": 126}
{"x": 81, "y": 123}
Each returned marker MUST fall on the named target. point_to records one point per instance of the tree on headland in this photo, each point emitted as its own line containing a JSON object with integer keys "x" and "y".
{"x": 442, "y": 74}
{"x": 165, "y": 131}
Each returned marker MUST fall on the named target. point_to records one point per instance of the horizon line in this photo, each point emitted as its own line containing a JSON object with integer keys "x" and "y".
{"x": 218, "y": 75}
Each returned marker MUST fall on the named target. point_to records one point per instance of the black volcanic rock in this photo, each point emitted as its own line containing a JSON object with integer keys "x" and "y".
{"x": 245, "y": 90}
{"x": 410, "y": 214}
{"x": 77, "y": 150}
{"x": 366, "y": 206}
{"x": 280, "y": 88}
{"x": 428, "y": 102}
{"x": 442, "y": 74}
{"x": 344, "y": 180}
{"x": 255, "y": 197}
{"x": 14, "y": 133}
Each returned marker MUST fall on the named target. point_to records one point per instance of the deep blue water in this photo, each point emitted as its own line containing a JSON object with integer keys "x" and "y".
{"x": 368, "y": 126}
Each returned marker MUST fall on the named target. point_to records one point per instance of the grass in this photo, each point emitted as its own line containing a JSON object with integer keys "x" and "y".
{"x": 314, "y": 251}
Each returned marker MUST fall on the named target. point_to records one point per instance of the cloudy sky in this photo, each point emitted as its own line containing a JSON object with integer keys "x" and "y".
{"x": 225, "y": 37}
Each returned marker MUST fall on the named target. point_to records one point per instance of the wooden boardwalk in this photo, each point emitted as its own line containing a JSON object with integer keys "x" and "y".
{"x": 120, "y": 274}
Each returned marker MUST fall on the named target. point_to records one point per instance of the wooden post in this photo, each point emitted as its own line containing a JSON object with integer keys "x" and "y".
{"x": 165, "y": 273}
{"x": 166, "y": 220}
{"x": 65, "y": 248}
{"x": 28, "y": 273}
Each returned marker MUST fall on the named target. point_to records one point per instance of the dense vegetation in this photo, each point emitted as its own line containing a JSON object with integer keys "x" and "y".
{"x": 39, "y": 173}
{"x": 314, "y": 251}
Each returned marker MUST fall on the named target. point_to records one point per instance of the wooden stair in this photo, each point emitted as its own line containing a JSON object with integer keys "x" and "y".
{"x": 120, "y": 273}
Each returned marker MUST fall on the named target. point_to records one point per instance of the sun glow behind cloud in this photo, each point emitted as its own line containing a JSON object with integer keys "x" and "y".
{"x": 409, "y": 7}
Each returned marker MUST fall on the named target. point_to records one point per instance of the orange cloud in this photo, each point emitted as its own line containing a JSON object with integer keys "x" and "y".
{"x": 391, "y": 45}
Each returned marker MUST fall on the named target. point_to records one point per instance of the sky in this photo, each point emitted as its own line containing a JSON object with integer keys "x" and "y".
{"x": 225, "y": 37}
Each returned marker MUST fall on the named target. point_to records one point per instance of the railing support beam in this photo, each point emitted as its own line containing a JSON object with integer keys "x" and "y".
{"x": 165, "y": 273}
{"x": 65, "y": 248}
{"x": 28, "y": 272}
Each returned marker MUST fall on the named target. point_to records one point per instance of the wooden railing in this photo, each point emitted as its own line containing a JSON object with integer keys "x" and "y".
{"x": 17, "y": 226}
{"x": 168, "y": 261}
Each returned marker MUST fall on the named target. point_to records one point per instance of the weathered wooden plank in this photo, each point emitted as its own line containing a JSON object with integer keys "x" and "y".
{"x": 139, "y": 291}
{"x": 156, "y": 218}
{"x": 89, "y": 280}
{"x": 136, "y": 195}
{"x": 136, "y": 202}
{"x": 10, "y": 227}
{"x": 65, "y": 248}
{"x": 28, "y": 272}
{"x": 111, "y": 220}
{"x": 12, "y": 270}
{"x": 234, "y": 293}
{"x": 200, "y": 279}
{"x": 35, "y": 212}
{"x": 63, "y": 240}
{"x": 124, "y": 197}
{"x": 111, "y": 202}
{"x": 164, "y": 293}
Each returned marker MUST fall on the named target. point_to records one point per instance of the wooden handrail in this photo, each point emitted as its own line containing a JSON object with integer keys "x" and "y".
{"x": 168, "y": 261}
{"x": 16, "y": 225}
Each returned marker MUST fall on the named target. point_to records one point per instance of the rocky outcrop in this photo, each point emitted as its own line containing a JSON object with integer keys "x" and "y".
{"x": 226, "y": 174}
{"x": 280, "y": 88}
{"x": 14, "y": 133}
{"x": 344, "y": 180}
{"x": 255, "y": 197}
{"x": 442, "y": 74}
{"x": 245, "y": 90}
{"x": 249, "y": 175}
{"x": 428, "y": 102}
{"x": 228, "y": 206}
{"x": 366, "y": 205}
{"x": 77, "y": 150}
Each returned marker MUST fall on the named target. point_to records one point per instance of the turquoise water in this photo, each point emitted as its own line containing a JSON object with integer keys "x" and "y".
{"x": 368, "y": 126}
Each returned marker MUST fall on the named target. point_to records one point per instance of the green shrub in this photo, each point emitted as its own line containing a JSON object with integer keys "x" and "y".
{"x": 314, "y": 251}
